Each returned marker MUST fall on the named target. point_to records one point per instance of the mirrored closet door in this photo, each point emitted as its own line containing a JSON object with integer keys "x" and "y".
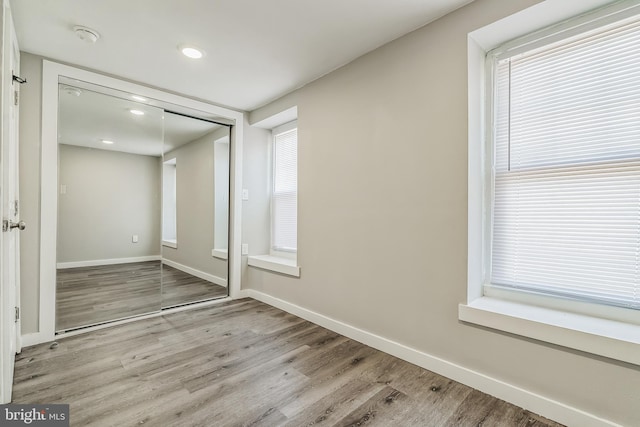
{"x": 195, "y": 179}
{"x": 142, "y": 206}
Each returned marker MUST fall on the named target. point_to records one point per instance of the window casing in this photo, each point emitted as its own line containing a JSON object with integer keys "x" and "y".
{"x": 604, "y": 330}
{"x": 564, "y": 161}
{"x": 284, "y": 199}
{"x": 169, "y": 203}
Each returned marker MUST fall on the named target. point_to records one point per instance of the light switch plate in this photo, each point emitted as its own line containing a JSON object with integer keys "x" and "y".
{"x": 245, "y": 194}
{"x": 134, "y": 238}
{"x": 245, "y": 249}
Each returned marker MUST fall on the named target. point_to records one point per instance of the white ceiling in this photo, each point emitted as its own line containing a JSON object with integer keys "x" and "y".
{"x": 256, "y": 50}
{"x": 86, "y": 117}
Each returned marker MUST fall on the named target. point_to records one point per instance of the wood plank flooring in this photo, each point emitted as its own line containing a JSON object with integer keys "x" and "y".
{"x": 90, "y": 295}
{"x": 244, "y": 363}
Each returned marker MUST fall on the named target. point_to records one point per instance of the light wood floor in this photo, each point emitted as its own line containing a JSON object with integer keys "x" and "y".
{"x": 90, "y": 295}
{"x": 244, "y": 363}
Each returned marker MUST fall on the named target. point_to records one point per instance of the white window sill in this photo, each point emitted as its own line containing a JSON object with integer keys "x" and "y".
{"x": 608, "y": 338}
{"x": 274, "y": 263}
{"x": 220, "y": 253}
{"x": 170, "y": 243}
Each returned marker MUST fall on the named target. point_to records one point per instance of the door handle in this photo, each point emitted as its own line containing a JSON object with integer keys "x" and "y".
{"x": 9, "y": 225}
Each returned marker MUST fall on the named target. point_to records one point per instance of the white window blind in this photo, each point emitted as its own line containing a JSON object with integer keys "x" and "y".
{"x": 566, "y": 168}
{"x": 285, "y": 191}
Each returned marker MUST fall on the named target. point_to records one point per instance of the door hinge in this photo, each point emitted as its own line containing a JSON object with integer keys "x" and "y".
{"x": 17, "y": 313}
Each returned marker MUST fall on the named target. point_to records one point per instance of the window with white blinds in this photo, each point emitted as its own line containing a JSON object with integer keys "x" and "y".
{"x": 566, "y": 167}
{"x": 284, "y": 202}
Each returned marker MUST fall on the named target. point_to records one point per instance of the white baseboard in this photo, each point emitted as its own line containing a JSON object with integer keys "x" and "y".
{"x": 33, "y": 339}
{"x": 533, "y": 402}
{"x": 98, "y": 262}
{"x": 192, "y": 271}
{"x": 242, "y": 293}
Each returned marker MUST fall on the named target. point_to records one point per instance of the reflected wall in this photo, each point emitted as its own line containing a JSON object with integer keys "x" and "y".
{"x": 192, "y": 268}
{"x": 142, "y": 194}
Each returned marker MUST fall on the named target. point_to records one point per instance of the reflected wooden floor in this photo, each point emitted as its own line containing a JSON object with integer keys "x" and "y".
{"x": 90, "y": 295}
{"x": 244, "y": 363}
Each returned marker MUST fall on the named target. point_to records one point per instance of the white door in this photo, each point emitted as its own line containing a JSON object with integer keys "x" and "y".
{"x": 9, "y": 206}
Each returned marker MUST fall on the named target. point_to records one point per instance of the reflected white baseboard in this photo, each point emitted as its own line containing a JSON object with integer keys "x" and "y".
{"x": 96, "y": 262}
{"x": 192, "y": 271}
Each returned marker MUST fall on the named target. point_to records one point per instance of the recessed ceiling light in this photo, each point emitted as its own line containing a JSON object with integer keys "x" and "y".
{"x": 191, "y": 51}
{"x": 106, "y": 141}
{"x": 137, "y": 112}
{"x": 86, "y": 34}
{"x": 138, "y": 98}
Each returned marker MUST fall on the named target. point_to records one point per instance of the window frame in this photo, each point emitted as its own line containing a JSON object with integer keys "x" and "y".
{"x": 273, "y": 250}
{"x": 607, "y": 331}
{"x": 168, "y": 242}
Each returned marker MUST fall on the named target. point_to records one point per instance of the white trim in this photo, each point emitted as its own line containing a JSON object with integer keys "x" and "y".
{"x": 277, "y": 264}
{"x": 285, "y": 127}
{"x": 235, "y": 214}
{"x": 49, "y": 178}
{"x": 530, "y": 20}
{"x": 293, "y": 255}
{"x": 278, "y": 119}
{"x": 511, "y": 393}
{"x": 220, "y": 253}
{"x": 48, "y": 200}
{"x": 576, "y": 24}
{"x": 609, "y": 338}
{"x": 170, "y": 244}
{"x": 200, "y": 274}
{"x": 544, "y": 325}
{"x": 33, "y": 338}
{"x": 112, "y": 261}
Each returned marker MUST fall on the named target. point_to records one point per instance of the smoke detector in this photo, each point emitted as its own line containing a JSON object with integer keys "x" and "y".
{"x": 74, "y": 91}
{"x": 86, "y": 34}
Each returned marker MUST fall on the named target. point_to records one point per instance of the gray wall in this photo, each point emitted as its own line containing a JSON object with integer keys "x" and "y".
{"x": 110, "y": 196}
{"x": 195, "y": 207}
{"x": 382, "y": 216}
{"x": 30, "y": 125}
{"x": 382, "y": 213}
{"x": 256, "y": 169}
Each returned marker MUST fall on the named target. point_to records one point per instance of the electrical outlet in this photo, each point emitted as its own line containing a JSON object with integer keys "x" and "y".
{"x": 245, "y": 249}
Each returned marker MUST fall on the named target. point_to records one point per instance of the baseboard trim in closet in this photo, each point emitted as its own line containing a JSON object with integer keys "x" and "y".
{"x": 197, "y": 273}
{"x": 112, "y": 261}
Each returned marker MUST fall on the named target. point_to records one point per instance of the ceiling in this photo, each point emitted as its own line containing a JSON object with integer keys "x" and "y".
{"x": 256, "y": 50}
{"x": 86, "y": 117}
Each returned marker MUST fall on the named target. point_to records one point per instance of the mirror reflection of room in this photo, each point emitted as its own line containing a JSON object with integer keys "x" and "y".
{"x": 142, "y": 208}
{"x": 108, "y": 256}
{"x": 195, "y": 207}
